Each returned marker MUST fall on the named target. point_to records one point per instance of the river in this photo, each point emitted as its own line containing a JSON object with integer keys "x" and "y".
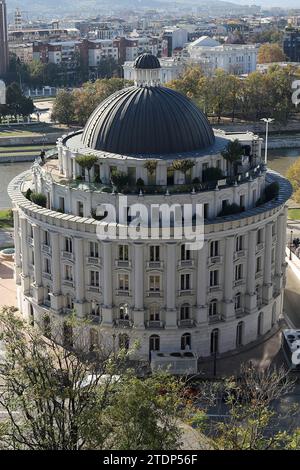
{"x": 279, "y": 160}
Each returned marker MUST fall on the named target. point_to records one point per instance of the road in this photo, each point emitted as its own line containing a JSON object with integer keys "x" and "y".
{"x": 291, "y": 304}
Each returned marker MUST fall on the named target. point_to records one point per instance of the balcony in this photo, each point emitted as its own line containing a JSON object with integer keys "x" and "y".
{"x": 47, "y": 276}
{"x": 188, "y": 263}
{"x": 155, "y": 264}
{"x": 184, "y": 292}
{"x": 94, "y": 289}
{"x": 155, "y": 324}
{"x": 212, "y": 289}
{"x": 46, "y": 249}
{"x": 119, "y": 263}
{"x": 215, "y": 260}
{"x": 187, "y": 323}
{"x": 68, "y": 282}
{"x": 259, "y": 274}
{"x": 216, "y": 319}
{"x": 30, "y": 241}
{"x": 124, "y": 323}
{"x": 239, "y": 282}
{"x": 259, "y": 247}
{"x": 240, "y": 254}
{"x": 240, "y": 312}
{"x": 154, "y": 293}
{"x": 67, "y": 255}
{"x": 94, "y": 260}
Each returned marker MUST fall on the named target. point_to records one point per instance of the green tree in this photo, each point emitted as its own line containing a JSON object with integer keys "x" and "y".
{"x": 232, "y": 155}
{"x": 56, "y": 399}
{"x": 87, "y": 162}
{"x": 64, "y": 108}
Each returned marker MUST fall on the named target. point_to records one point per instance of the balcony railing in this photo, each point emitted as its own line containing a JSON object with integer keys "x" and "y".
{"x": 155, "y": 324}
{"x": 187, "y": 323}
{"x": 124, "y": 323}
{"x": 216, "y": 318}
{"x": 95, "y": 260}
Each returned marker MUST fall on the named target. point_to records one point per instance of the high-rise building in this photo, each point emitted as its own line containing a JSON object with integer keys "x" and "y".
{"x": 291, "y": 44}
{"x": 3, "y": 39}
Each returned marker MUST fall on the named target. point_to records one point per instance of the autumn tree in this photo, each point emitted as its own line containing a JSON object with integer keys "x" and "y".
{"x": 270, "y": 53}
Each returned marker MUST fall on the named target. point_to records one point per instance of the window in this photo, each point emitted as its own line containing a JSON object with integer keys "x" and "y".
{"x": 214, "y": 341}
{"x": 239, "y": 243}
{"x": 124, "y": 312}
{"x": 68, "y": 335}
{"x": 185, "y": 282}
{"x": 242, "y": 202}
{"x": 154, "y": 313}
{"x": 47, "y": 266}
{"x": 47, "y": 326}
{"x": 238, "y": 272}
{"x": 274, "y": 315}
{"x": 154, "y": 343}
{"x": 260, "y": 324}
{"x": 214, "y": 249}
{"x": 68, "y": 245}
{"x": 94, "y": 339}
{"x": 68, "y": 273}
{"x": 213, "y": 308}
{"x": 80, "y": 209}
{"x": 259, "y": 236}
{"x": 61, "y": 204}
{"x": 124, "y": 282}
{"x": 206, "y": 210}
{"x": 154, "y": 253}
{"x": 95, "y": 309}
{"x": 186, "y": 342}
{"x": 237, "y": 301}
{"x": 258, "y": 264}
{"x": 185, "y": 254}
{"x": 225, "y": 203}
{"x": 214, "y": 278}
{"x": 46, "y": 238}
{"x": 94, "y": 250}
{"x": 69, "y": 302}
{"x": 185, "y": 312}
{"x": 47, "y": 295}
{"x": 154, "y": 283}
{"x": 94, "y": 278}
{"x": 273, "y": 256}
{"x": 123, "y": 252}
{"x": 258, "y": 291}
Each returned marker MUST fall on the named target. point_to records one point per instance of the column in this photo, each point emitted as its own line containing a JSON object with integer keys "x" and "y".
{"x": 18, "y": 263}
{"x": 56, "y": 298}
{"x": 25, "y": 279}
{"x": 202, "y": 284}
{"x": 38, "y": 288}
{"x": 79, "y": 275}
{"x": 251, "y": 301}
{"x": 267, "y": 287}
{"x": 139, "y": 314}
{"x": 228, "y": 278}
{"x": 171, "y": 313}
{"x": 107, "y": 317}
{"x": 280, "y": 255}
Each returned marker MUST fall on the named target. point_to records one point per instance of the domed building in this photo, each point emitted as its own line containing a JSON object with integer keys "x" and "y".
{"x": 154, "y": 146}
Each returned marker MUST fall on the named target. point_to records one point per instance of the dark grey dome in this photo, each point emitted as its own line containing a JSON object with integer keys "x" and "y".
{"x": 147, "y": 120}
{"x": 146, "y": 61}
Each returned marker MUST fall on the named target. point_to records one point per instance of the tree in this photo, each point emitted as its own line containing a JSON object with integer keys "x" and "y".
{"x": 57, "y": 399}
{"x": 188, "y": 83}
{"x": 119, "y": 179}
{"x": 151, "y": 166}
{"x": 252, "y": 423}
{"x": 64, "y": 108}
{"x": 87, "y": 162}
{"x": 39, "y": 199}
{"x": 270, "y": 53}
{"x": 183, "y": 165}
{"x": 232, "y": 155}
{"x": 293, "y": 174}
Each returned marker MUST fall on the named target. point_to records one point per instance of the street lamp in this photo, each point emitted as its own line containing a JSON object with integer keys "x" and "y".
{"x": 267, "y": 121}
{"x": 291, "y": 244}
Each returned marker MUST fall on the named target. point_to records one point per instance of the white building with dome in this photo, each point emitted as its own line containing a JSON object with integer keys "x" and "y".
{"x": 173, "y": 300}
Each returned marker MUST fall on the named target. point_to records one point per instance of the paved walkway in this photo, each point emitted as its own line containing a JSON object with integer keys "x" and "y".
{"x": 7, "y": 284}
{"x": 6, "y": 238}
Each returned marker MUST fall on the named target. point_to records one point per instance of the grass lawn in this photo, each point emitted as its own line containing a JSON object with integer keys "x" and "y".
{"x": 294, "y": 214}
{"x": 6, "y": 221}
{"x": 25, "y": 148}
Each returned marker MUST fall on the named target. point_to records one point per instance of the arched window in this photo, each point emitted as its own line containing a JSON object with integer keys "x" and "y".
{"x": 186, "y": 342}
{"x": 123, "y": 341}
{"x": 239, "y": 334}
{"x": 154, "y": 343}
{"x": 124, "y": 312}
{"x": 238, "y": 301}
{"x": 154, "y": 313}
{"x": 214, "y": 341}
{"x": 185, "y": 312}
{"x": 213, "y": 307}
{"x": 94, "y": 339}
{"x": 274, "y": 317}
{"x": 260, "y": 324}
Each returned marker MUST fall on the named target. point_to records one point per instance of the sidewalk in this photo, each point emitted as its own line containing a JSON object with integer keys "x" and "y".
{"x": 7, "y": 284}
